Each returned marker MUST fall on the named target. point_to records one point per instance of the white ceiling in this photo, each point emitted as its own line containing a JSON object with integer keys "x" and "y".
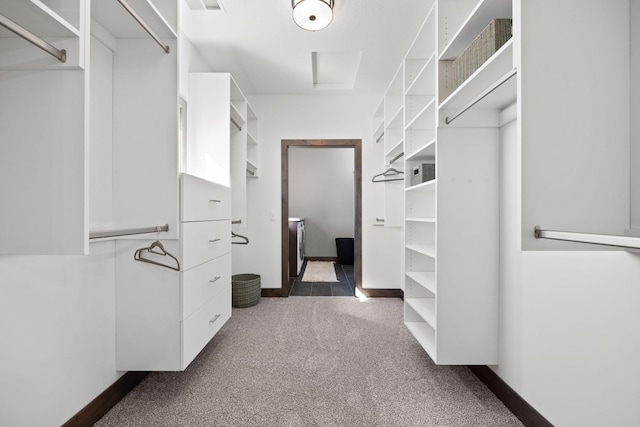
{"x": 268, "y": 54}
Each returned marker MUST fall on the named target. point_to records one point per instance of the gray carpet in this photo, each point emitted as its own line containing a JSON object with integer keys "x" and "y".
{"x": 313, "y": 361}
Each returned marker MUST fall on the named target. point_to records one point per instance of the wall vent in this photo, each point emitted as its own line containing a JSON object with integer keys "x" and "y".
{"x": 206, "y": 5}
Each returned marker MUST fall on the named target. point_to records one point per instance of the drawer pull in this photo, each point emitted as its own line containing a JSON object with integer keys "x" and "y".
{"x": 215, "y": 201}
{"x": 214, "y": 240}
{"x": 214, "y": 318}
{"x": 215, "y": 279}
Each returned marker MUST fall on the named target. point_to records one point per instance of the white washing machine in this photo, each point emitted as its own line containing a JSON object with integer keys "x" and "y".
{"x": 296, "y": 246}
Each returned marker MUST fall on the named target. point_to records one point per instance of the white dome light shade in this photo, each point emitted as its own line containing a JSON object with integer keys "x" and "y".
{"x": 312, "y": 15}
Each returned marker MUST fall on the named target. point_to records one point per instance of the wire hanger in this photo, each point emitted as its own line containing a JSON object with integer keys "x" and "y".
{"x": 158, "y": 249}
{"x": 388, "y": 172}
{"x": 246, "y": 240}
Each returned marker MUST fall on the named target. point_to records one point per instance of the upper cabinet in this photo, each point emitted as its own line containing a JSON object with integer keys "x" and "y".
{"x": 222, "y": 136}
{"x": 93, "y": 141}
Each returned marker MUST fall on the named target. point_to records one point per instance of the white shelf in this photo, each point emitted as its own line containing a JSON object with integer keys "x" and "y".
{"x": 41, "y": 19}
{"x": 424, "y": 81}
{"x": 425, "y": 335}
{"x": 394, "y": 151}
{"x": 425, "y": 118}
{"x": 424, "y": 42}
{"x": 422, "y": 220}
{"x": 426, "y": 152}
{"x": 251, "y": 140}
{"x": 426, "y": 279}
{"x": 237, "y": 117}
{"x": 425, "y": 186}
{"x": 396, "y": 119}
{"x": 428, "y": 250}
{"x": 426, "y": 308}
{"x": 115, "y": 19}
{"x": 484, "y": 12}
{"x": 493, "y": 69}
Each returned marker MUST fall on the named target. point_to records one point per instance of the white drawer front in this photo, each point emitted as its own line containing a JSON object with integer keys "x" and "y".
{"x": 202, "y": 200}
{"x": 199, "y": 328}
{"x": 204, "y": 282}
{"x": 204, "y": 241}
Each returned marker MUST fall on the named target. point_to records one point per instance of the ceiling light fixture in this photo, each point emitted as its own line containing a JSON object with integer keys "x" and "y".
{"x": 312, "y": 15}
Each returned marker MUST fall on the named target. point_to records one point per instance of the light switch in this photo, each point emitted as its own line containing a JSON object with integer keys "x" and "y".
{"x": 273, "y": 216}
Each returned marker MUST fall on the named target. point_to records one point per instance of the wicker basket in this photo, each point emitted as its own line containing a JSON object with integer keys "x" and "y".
{"x": 245, "y": 290}
{"x": 481, "y": 48}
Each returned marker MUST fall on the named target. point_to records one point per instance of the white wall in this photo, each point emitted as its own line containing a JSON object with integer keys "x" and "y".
{"x": 57, "y": 323}
{"x": 321, "y": 190}
{"x": 569, "y": 321}
{"x": 312, "y": 117}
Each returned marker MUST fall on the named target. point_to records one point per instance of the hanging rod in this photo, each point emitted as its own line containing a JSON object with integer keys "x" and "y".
{"x": 597, "y": 239}
{"x": 396, "y": 157}
{"x": 236, "y": 124}
{"x": 250, "y": 172}
{"x": 143, "y": 24}
{"x": 480, "y": 97}
{"x": 7, "y": 23}
{"x": 128, "y": 231}
{"x": 237, "y": 221}
{"x": 380, "y": 137}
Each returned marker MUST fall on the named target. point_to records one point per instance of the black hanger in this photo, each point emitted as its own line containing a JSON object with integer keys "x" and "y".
{"x": 388, "y": 172}
{"x": 158, "y": 249}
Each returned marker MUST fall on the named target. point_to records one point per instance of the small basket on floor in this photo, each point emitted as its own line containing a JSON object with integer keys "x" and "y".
{"x": 245, "y": 290}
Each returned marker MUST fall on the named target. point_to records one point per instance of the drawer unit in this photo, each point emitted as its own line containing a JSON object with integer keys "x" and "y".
{"x": 200, "y": 327}
{"x": 203, "y": 282}
{"x": 204, "y": 241}
{"x": 164, "y": 317}
{"x": 203, "y": 200}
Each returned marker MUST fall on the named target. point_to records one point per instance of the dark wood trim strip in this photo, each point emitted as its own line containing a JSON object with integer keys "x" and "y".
{"x": 356, "y": 144}
{"x": 526, "y": 413}
{"x": 382, "y": 293}
{"x": 106, "y": 400}
{"x": 321, "y": 258}
{"x": 272, "y": 292}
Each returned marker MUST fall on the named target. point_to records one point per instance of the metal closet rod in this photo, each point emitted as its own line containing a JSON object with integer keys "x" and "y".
{"x": 480, "y": 97}
{"x": 143, "y": 24}
{"x": 236, "y": 124}
{"x": 380, "y": 137}
{"x": 128, "y": 231}
{"x": 396, "y": 157}
{"x": 60, "y": 55}
{"x": 627, "y": 242}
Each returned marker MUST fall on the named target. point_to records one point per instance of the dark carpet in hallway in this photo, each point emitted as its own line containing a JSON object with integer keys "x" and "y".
{"x": 313, "y": 362}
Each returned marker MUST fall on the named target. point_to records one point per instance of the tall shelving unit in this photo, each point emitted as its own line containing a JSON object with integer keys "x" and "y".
{"x": 451, "y": 223}
{"x": 420, "y": 198}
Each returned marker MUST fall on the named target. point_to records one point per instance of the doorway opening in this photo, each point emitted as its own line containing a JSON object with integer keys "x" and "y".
{"x": 356, "y": 145}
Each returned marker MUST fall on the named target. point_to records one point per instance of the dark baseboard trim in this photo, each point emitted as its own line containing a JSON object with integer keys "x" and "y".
{"x": 382, "y": 293}
{"x": 526, "y": 413}
{"x": 321, "y": 258}
{"x": 99, "y": 406}
{"x": 272, "y": 292}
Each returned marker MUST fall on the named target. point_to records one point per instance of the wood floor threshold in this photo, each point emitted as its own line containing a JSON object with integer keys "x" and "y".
{"x": 526, "y": 413}
{"x": 99, "y": 406}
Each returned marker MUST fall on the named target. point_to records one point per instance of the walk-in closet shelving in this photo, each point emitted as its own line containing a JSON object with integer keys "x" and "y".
{"x": 420, "y": 224}
{"x": 252, "y": 143}
{"x": 62, "y": 24}
{"x": 451, "y": 220}
{"x": 137, "y": 123}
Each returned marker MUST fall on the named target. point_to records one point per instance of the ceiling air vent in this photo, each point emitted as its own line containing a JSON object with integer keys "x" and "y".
{"x": 205, "y": 5}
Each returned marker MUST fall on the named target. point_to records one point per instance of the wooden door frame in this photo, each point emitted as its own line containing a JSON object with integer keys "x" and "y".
{"x": 356, "y": 144}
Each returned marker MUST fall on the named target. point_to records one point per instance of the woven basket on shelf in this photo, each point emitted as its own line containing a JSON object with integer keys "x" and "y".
{"x": 245, "y": 290}
{"x": 483, "y": 46}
